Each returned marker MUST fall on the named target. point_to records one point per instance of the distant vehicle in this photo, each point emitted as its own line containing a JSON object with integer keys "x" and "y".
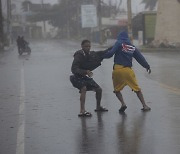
{"x": 25, "y": 49}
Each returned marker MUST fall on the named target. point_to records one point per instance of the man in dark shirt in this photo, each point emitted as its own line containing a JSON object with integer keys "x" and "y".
{"x": 84, "y": 62}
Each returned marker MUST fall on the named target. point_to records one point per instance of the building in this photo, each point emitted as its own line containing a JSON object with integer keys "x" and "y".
{"x": 167, "y": 24}
{"x": 21, "y": 10}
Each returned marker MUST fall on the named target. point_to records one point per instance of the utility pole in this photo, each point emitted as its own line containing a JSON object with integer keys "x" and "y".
{"x": 68, "y": 20}
{"x": 9, "y": 21}
{"x": 100, "y": 21}
{"x": 44, "y": 23}
{"x": 1, "y": 26}
{"x": 129, "y": 19}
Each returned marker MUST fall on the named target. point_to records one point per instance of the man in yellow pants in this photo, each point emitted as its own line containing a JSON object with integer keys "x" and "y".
{"x": 123, "y": 74}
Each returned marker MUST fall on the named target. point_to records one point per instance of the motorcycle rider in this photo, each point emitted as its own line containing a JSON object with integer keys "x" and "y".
{"x": 23, "y": 43}
{"x": 18, "y": 41}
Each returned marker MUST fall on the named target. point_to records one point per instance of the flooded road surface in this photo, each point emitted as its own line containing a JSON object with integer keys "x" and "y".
{"x": 39, "y": 107}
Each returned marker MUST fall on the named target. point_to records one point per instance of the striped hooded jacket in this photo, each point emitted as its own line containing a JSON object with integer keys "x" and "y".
{"x": 124, "y": 52}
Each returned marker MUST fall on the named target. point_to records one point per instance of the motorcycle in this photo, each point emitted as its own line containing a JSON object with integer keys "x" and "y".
{"x": 26, "y": 49}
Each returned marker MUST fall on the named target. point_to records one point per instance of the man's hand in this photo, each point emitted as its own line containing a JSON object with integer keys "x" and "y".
{"x": 89, "y": 73}
{"x": 148, "y": 70}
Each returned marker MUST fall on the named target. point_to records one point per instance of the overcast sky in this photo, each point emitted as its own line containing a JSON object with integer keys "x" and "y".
{"x": 136, "y": 4}
{"x": 45, "y": 1}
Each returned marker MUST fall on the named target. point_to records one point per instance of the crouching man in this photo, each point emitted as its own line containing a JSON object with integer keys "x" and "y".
{"x": 85, "y": 61}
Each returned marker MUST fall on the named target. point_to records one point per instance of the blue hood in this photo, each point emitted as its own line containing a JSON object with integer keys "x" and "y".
{"x": 123, "y": 54}
{"x": 123, "y": 36}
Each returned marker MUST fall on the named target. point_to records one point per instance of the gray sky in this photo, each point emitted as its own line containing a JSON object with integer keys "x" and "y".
{"x": 136, "y": 4}
{"x": 45, "y": 1}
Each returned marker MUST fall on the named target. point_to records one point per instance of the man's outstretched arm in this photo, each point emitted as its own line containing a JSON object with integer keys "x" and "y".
{"x": 112, "y": 51}
{"x": 141, "y": 60}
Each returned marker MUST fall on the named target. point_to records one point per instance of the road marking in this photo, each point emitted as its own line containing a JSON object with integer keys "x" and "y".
{"x": 172, "y": 89}
{"x": 21, "y": 129}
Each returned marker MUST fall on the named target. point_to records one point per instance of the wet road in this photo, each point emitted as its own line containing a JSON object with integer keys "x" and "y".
{"x": 39, "y": 106}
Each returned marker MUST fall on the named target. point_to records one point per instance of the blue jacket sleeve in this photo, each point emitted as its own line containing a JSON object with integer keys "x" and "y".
{"x": 111, "y": 52}
{"x": 140, "y": 59}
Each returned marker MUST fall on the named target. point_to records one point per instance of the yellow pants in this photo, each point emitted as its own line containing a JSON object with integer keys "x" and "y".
{"x": 123, "y": 76}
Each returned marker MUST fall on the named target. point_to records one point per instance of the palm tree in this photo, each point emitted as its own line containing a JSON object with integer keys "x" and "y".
{"x": 149, "y": 4}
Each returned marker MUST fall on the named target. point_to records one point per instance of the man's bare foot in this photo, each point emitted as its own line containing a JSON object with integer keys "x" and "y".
{"x": 123, "y": 108}
{"x": 146, "y": 108}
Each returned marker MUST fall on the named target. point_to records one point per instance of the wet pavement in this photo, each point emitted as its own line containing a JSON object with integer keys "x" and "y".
{"x": 39, "y": 107}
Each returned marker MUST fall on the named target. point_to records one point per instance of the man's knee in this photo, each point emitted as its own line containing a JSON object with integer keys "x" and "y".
{"x": 83, "y": 89}
{"x": 98, "y": 90}
{"x": 117, "y": 93}
{"x": 137, "y": 92}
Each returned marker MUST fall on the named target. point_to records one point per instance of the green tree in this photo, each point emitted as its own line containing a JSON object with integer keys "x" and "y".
{"x": 150, "y": 4}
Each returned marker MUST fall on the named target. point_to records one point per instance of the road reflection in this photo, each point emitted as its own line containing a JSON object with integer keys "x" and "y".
{"x": 24, "y": 57}
{"x": 129, "y": 136}
{"x": 90, "y": 139}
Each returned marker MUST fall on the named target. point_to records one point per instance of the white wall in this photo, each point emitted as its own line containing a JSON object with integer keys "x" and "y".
{"x": 167, "y": 23}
